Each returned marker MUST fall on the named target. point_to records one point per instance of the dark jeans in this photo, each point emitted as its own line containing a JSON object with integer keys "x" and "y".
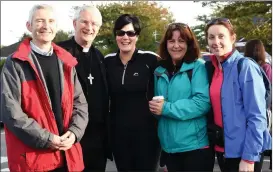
{"x": 196, "y": 160}
{"x": 232, "y": 164}
{"x": 136, "y": 150}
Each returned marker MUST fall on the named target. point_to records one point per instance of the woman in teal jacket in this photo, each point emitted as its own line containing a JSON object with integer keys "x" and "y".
{"x": 182, "y": 79}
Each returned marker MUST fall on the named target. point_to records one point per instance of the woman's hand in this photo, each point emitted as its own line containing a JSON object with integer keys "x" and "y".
{"x": 156, "y": 106}
{"x": 245, "y": 166}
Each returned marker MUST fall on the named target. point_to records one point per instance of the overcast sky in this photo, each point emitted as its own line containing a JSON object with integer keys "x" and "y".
{"x": 14, "y": 15}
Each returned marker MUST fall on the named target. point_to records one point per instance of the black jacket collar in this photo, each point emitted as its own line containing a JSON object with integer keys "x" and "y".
{"x": 75, "y": 49}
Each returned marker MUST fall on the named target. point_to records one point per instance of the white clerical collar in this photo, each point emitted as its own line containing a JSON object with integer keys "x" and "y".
{"x": 39, "y": 51}
{"x": 85, "y": 50}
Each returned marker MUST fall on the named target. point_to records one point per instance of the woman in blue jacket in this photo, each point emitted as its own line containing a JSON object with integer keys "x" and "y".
{"x": 237, "y": 95}
{"x": 182, "y": 79}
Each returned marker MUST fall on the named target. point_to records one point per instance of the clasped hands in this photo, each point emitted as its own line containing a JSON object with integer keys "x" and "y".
{"x": 63, "y": 142}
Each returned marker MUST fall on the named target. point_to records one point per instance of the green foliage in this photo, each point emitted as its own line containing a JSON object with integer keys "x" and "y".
{"x": 152, "y": 16}
{"x": 251, "y": 19}
{"x": 199, "y": 31}
{"x": 60, "y": 36}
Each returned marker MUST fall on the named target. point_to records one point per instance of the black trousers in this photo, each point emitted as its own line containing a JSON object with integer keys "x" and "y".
{"x": 196, "y": 160}
{"x": 94, "y": 147}
{"x": 232, "y": 164}
{"x": 135, "y": 150}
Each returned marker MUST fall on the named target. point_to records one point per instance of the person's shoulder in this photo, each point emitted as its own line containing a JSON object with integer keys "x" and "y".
{"x": 98, "y": 51}
{"x": 65, "y": 44}
{"x": 266, "y": 65}
{"x": 199, "y": 63}
{"x": 110, "y": 56}
{"x": 148, "y": 54}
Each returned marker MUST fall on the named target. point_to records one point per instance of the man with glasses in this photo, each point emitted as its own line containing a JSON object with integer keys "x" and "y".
{"x": 91, "y": 71}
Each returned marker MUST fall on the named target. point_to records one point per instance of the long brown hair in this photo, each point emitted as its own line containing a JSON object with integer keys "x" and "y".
{"x": 193, "y": 50}
{"x": 255, "y": 50}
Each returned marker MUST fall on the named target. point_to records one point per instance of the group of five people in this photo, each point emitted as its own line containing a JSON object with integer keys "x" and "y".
{"x": 56, "y": 107}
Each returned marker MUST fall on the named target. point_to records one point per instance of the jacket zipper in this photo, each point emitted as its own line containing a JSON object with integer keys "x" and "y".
{"x": 123, "y": 75}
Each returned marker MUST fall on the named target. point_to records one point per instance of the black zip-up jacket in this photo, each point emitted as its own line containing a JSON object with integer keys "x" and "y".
{"x": 131, "y": 87}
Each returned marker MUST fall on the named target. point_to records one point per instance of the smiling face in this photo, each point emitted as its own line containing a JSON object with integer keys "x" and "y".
{"x": 176, "y": 46}
{"x": 43, "y": 26}
{"x": 220, "y": 40}
{"x": 87, "y": 26}
{"x": 125, "y": 43}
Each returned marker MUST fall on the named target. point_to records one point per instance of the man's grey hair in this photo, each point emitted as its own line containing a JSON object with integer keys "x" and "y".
{"x": 38, "y": 7}
{"x": 91, "y": 9}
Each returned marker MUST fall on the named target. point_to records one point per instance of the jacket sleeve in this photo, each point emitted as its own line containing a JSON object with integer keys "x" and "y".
{"x": 253, "y": 92}
{"x": 195, "y": 106}
{"x": 80, "y": 110}
{"x": 15, "y": 120}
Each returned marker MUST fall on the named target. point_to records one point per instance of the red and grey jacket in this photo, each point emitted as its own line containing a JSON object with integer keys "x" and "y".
{"x": 26, "y": 111}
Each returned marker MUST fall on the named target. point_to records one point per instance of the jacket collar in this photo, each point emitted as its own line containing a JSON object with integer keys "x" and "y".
{"x": 185, "y": 67}
{"x": 134, "y": 56}
{"x": 232, "y": 58}
{"x": 24, "y": 50}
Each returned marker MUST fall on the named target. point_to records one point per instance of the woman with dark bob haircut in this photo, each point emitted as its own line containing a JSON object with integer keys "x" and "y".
{"x": 237, "y": 94}
{"x": 255, "y": 49}
{"x": 130, "y": 77}
{"x": 182, "y": 80}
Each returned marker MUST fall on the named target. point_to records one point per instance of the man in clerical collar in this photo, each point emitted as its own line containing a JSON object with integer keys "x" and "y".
{"x": 43, "y": 107}
{"x": 92, "y": 75}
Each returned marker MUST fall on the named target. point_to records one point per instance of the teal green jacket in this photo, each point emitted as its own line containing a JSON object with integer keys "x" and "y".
{"x": 182, "y": 125}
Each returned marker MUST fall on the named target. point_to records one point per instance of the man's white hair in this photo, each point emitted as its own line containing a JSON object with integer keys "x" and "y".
{"x": 38, "y": 7}
{"x": 91, "y": 9}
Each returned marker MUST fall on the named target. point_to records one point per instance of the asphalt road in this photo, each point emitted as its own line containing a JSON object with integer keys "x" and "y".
{"x": 110, "y": 165}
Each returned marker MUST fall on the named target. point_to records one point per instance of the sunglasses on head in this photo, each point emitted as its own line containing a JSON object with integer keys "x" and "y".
{"x": 217, "y": 20}
{"x": 177, "y": 25}
{"x": 128, "y": 33}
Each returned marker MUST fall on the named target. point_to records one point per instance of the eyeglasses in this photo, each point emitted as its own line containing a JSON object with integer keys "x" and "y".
{"x": 217, "y": 20}
{"x": 128, "y": 33}
{"x": 177, "y": 25}
{"x": 85, "y": 22}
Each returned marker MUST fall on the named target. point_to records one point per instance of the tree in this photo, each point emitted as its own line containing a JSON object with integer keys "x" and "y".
{"x": 199, "y": 31}
{"x": 251, "y": 19}
{"x": 60, "y": 36}
{"x": 152, "y": 16}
